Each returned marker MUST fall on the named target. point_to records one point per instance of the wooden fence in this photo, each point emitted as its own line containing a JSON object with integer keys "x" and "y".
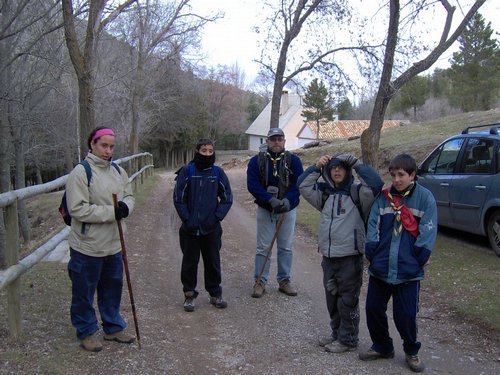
{"x": 138, "y": 167}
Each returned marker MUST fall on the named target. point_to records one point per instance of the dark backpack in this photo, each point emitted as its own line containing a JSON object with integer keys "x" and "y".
{"x": 63, "y": 207}
{"x": 285, "y": 169}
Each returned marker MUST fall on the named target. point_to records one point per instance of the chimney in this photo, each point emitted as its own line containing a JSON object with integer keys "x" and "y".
{"x": 284, "y": 105}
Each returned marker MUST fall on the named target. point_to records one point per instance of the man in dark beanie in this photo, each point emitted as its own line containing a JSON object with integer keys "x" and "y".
{"x": 202, "y": 198}
{"x": 344, "y": 207}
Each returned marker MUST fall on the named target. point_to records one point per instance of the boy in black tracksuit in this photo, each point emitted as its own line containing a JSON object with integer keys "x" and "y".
{"x": 202, "y": 198}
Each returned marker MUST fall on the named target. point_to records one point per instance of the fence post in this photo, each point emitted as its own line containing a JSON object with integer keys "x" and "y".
{"x": 11, "y": 258}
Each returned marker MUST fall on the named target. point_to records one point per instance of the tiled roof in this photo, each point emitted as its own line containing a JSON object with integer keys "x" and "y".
{"x": 347, "y": 128}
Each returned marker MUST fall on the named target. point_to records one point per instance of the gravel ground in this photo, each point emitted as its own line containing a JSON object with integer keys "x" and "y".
{"x": 276, "y": 334}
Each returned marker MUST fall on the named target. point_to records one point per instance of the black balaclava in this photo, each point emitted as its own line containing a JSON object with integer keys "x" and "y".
{"x": 203, "y": 161}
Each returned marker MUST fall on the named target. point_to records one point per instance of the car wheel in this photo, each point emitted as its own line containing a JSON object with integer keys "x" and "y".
{"x": 494, "y": 231}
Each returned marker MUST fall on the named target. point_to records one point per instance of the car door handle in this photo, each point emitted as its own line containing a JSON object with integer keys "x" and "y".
{"x": 480, "y": 187}
{"x": 444, "y": 184}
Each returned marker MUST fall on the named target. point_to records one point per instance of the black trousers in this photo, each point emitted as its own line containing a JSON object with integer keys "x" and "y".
{"x": 209, "y": 247}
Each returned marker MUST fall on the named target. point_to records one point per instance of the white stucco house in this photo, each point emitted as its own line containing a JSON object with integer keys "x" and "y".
{"x": 298, "y": 131}
{"x": 291, "y": 121}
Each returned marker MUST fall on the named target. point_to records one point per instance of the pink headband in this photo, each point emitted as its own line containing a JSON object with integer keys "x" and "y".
{"x": 101, "y": 132}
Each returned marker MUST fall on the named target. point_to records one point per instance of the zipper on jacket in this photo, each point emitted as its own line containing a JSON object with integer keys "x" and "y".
{"x": 330, "y": 228}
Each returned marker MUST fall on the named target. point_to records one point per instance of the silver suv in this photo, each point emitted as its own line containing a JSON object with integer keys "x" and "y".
{"x": 463, "y": 174}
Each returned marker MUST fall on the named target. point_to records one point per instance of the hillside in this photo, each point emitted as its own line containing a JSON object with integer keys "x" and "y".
{"x": 416, "y": 139}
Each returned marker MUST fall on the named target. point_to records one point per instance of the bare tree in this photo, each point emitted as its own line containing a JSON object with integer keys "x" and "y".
{"x": 286, "y": 25}
{"x": 157, "y": 31}
{"x": 98, "y": 18}
{"x": 23, "y": 25}
{"x": 388, "y": 86}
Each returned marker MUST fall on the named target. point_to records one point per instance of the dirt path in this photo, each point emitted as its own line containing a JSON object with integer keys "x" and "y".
{"x": 276, "y": 334}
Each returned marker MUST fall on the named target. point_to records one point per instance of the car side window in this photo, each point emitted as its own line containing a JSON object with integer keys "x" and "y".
{"x": 443, "y": 160}
{"x": 478, "y": 156}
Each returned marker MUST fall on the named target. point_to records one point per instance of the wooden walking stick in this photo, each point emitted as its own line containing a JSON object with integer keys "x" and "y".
{"x": 278, "y": 228}
{"x": 127, "y": 273}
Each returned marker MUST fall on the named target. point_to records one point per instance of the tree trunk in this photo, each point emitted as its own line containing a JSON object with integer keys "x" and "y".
{"x": 370, "y": 138}
{"x": 20, "y": 179}
{"x": 136, "y": 96}
{"x": 83, "y": 63}
{"x": 278, "y": 87}
{"x": 86, "y": 111}
{"x": 4, "y": 154}
{"x": 39, "y": 179}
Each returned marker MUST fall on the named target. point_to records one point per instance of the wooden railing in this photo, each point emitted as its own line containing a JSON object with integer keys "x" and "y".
{"x": 138, "y": 167}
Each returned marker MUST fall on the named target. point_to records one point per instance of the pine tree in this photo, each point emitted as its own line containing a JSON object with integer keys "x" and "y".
{"x": 317, "y": 104}
{"x": 474, "y": 70}
{"x": 345, "y": 110}
{"x": 412, "y": 95}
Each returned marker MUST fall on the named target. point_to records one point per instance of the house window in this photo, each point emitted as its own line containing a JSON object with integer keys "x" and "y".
{"x": 262, "y": 141}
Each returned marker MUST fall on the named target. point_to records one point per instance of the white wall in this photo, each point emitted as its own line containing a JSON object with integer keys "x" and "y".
{"x": 254, "y": 142}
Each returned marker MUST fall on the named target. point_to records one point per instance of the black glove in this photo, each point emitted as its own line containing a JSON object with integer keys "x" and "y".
{"x": 121, "y": 212}
{"x": 350, "y": 160}
{"x": 283, "y": 207}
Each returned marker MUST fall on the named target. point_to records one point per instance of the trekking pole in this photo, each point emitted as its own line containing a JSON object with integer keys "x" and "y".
{"x": 127, "y": 273}
{"x": 278, "y": 228}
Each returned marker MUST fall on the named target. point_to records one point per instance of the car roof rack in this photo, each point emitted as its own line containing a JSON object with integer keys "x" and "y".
{"x": 493, "y": 128}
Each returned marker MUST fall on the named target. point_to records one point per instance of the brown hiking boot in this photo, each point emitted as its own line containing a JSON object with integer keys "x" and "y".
{"x": 372, "y": 355}
{"x": 218, "y": 302}
{"x": 414, "y": 363}
{"x": 120, "y": 337}
{"x": 91, "y": 343}
{"x": 286, "y": 287}
{"x": 258, "y": 290}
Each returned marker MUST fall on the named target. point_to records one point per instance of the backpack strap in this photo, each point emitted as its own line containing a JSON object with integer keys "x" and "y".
{"x": 116, "y": 167}
{"x": 263, "y": 168}
{"x": 88, "y": 171}
{"x": 354, "y": 193}
{"x": 190, "y": 171}
{"x": 216, "y": 171}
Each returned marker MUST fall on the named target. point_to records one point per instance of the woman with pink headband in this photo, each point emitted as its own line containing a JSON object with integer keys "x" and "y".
{"x": 95, "y": 250}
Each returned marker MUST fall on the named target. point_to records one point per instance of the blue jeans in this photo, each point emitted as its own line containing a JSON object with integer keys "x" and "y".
{"x": 267, "y": 223}
{"x": 88, "y": 275}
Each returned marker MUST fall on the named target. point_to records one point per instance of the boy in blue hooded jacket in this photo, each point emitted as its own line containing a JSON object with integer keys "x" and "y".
{"x": 402, "y": 230}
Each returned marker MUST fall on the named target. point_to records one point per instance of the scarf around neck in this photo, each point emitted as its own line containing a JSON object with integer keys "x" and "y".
{"x": 202, "y": 161}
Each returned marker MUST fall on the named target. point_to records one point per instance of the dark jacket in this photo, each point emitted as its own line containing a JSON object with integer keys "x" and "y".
{"x": 397, "y": 258}
{"x": 202, "y": 200}
{"x": 259, "y": 191}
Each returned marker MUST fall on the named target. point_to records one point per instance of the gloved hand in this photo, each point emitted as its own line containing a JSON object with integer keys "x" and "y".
{"x": 350, "y": 160}
{"x": 283, "y": 207}
{"x": 121, "y": 212}
{"x": 274, "y": 202}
